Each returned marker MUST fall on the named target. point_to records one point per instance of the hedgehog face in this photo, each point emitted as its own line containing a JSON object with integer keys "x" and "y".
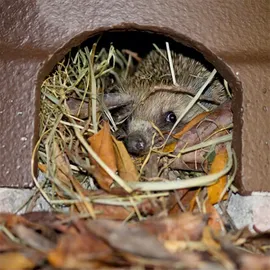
{"x": 159, "y": 111}
{"x": 163, "y": 107}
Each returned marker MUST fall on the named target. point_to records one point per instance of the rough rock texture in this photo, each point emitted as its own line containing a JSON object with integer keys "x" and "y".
{"x": 17, "y": 200}
{"x": 232, "y": 35}
{"x": 251, "y": 211}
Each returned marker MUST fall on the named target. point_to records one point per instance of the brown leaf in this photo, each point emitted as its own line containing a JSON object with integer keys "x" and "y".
{"x": 33, "y": 239}
{"x": 204, "y": 127}
{"x": 180, "y": 227}
{"x": 171, "y": 147}
{"x": 214, "y": 248}
{"x": 213, "y": 121}
{"x": 125, "y": 165}
{"x": 63, "y": 170}
{"x": 191, "y": 124}
{"x": 102, "y": 144}
{"x": 209, "y": 240}
{"x": 49, "y": 219}
{"x": 151, "y": 169}
{"x": 7, "y": 245}
{"x": 10, "y": 219}
{"x": 256, "y": 242}
{"x": 135, "y": 240}
{"x": 151, "y": 206}
{"x": 184, "y": 196}
{"x": 254, "y": 261}
{"x": 193, "y": 201}
{"x": 215, "y": 220}
{"x": 86, "y": 252}
{"x": 191, "y": 161}
{"x": 15, "y": 260}
{"x": 114, "y": 212}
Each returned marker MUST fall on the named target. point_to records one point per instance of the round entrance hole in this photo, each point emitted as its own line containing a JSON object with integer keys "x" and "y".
{"x": 133, "y": 111}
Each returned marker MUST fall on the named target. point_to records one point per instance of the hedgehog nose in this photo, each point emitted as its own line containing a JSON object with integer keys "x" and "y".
{"x": 135, "y": 144}
{"x": 140, "y": 144}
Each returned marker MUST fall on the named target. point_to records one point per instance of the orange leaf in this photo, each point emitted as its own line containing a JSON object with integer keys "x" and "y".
{"x": 214, "y": 248}
{"x": 125, "y": 165}
{"x": 171, "y": 147}
{"x": 192, "y": 203}
{"x": 73, "y": 251}
{"x": 15, "y": 260}
{"x": 214, "y": 191}
{"x": 215, "y": 221}
{"x": 208, "y": 240}
{"x": 42, "y": 167}
{"x": 191, "y": 124}
{"x": 102, "y": 144}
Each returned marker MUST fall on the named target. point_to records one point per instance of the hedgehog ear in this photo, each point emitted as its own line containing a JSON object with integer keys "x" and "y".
{"x": 119, "y": 104}
{"x": 117, "y": 100}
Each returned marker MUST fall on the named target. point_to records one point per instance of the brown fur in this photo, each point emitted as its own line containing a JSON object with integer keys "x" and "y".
{"x": 154, "y": 71}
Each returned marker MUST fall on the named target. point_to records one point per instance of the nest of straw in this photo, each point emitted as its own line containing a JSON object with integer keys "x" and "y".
{"x": 65, "y": 156}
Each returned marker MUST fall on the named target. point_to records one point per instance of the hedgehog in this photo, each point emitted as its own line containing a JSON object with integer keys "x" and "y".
{"x": 154, "y": 104}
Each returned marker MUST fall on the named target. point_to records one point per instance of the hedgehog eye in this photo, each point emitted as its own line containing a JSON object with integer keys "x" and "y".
{"x": 170, "y": 117}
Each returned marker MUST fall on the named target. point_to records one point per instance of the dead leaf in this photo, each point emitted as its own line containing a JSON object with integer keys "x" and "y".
{"x": 125, "y": 165}
{"x": 168, "y": 242}
{"x": 63, "y": 170}
{"x": 134, "y": 240}
{"x": 215, "y": 222}
{"x": 210, "y": 123}
{"x": 11, "y": 220}
{"x": 42, "y": 167}
{"x": 33, "y": 239}
{"x": 191, "y": 124}
{"x": 254, "y": 261}
{"x": 179, "y": 196}
{"x": 102, "y": 144}
{"x": 203, "y": 127}
{"x": 65, "y": 175}
{"x": 113, "y": 212}
{"x": 7, "y": 245}
{"x": 44, "y": 218}
{"x": 208, "y": 239}
{"x": 86, "y": 252}
{"x": 214, "y": 191}
{"x": 192, "y": 203}
{"x": 171, "y": 147}
{"x": 191, "y": 161}
{"x": 214, "y": 248}
{"x": 15, "y": 260}
{"x": 181, "y": 227}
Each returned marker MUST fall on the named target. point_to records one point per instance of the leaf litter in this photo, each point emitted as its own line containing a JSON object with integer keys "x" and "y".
{"x": 111, "y": 210}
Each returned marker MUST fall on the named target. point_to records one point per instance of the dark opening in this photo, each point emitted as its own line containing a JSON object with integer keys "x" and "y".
{"x": 142, "y": 43}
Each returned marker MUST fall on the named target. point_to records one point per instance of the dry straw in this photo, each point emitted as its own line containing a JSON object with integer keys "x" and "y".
{"x": 83, "y": 74}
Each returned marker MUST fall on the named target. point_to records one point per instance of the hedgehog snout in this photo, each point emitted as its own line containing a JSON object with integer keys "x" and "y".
{"x": 135, "y": 143}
